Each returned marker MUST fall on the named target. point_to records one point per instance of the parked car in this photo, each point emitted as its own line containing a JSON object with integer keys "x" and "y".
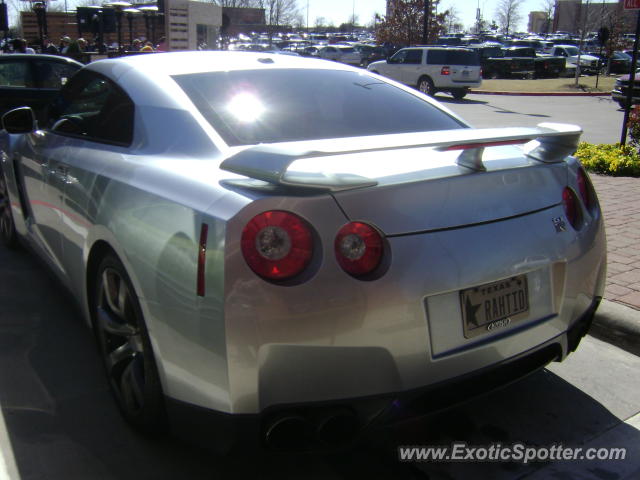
{"x": 341, "y": 53}
{"x": 433, "y": 69}
{"x": 621, "y": 89}
{"x": 545, "y": 66}
{"x": 371, "y": 53}
{"x": 32, "y": 80}
{"x": 277, "y": 248}
{"x": 588, "y": 63}
{"x": 496, "y": 63}
{"x": 619, "y": 62}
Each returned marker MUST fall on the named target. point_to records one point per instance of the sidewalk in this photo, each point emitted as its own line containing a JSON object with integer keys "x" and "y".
{"x": 618, "y": 318}
{"x": 620, "y": 202}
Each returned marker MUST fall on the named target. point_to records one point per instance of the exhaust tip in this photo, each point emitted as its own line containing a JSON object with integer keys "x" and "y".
{"x": 289, "y": 432}
{"x": 338, "y": 428}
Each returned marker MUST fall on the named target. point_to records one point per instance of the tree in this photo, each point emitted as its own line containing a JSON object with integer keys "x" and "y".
{"x": 278, "y": 13}
{"x": 452, "y": 19}
{"x": 234, "y": 3}
{"x": 548, "y": 7}
{"x": 508, "y": 14}
{"x": 404, "y": 25}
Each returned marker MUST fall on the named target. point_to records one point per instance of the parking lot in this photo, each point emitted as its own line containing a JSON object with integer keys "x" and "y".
{"x": 62, "y": 423}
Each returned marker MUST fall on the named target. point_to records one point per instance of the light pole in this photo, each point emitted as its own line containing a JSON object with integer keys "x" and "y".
{"x": 131, "y": 12}
{"x": 40, "y": 9}
{"x": 119, "y": 7}
{"x": 150, "y": 12}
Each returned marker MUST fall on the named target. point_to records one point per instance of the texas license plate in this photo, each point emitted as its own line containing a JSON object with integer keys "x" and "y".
{"x": 493, "y": 306}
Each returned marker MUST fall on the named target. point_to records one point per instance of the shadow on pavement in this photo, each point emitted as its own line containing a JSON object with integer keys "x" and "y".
{"x": 63, "y": 423}
{"x": 466, "y": 100}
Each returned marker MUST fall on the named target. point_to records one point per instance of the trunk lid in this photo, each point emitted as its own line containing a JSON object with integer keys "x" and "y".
{"x": 449, "y": 196}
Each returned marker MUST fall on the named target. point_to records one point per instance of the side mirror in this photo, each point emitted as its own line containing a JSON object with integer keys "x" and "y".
{"x": 19, "y": 120}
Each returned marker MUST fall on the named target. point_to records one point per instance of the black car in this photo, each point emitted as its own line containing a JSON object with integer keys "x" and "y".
{"x": 620, "y": 63}
{"x": 619, "y": 92}
{"x": 32, "y": 80}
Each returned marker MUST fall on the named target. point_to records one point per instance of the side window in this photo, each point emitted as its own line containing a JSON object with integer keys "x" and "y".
{"x": 53, "y": 74}
{"x": 414, "y": 57}
{"x": 15, "y": 74}
{"x": 93, "y": 107}
{"x": 398, "y": 57}
{"x": 436, "y": 57}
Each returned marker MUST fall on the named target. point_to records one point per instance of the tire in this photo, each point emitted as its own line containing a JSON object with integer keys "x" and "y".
{"x": 459, "y": 94}
{"x": 425, "y": 85}
{"x": 8, "y": 234}
{"x": 125, "y": 348}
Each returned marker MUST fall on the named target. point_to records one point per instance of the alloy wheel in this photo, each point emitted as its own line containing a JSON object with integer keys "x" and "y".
{"x": 121, "y": 341}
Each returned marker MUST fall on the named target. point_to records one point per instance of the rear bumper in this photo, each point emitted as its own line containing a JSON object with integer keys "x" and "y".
{"x": 222, "y": 432}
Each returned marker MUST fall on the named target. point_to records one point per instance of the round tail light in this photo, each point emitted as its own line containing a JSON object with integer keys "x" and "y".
{"x": 583, "y": 188}
{"x": 570, "y": 203}
{"x": 358, "y": 248}
{"x": 277, "y": 245}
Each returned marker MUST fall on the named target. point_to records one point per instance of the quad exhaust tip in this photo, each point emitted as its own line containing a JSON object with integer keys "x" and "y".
{"x": 333, "y": 428}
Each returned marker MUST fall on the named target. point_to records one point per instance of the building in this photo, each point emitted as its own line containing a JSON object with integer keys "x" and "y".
{"x": 186, "y": 24}
{"x": 242, "y": 20}
{"x": 61, "y": 24}
{"x": 190, "y": 25}
{"x": 539, "y": 23}
{"x": 574, "y": 15}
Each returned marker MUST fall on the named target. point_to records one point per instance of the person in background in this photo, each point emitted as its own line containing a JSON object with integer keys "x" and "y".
{"x": 76, "y": 50}
{"x": 20, "y": 46}
{"x": 51, "y": 49}
{"x": 64, "y": 44}
{"x": 162, "y": 45}
{"x": 136, "y": 45}
{"x": 148, "y": 47}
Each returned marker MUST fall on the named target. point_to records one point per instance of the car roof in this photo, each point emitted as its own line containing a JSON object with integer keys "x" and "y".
{"x": 39, "y": 56}
{"x": 179, "y": 63}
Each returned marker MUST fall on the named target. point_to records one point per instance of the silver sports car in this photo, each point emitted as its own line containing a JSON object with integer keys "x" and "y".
{"x": 286, "y": 250}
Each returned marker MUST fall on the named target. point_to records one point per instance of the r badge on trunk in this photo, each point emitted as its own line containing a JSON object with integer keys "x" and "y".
{"x": 559, "y": 224}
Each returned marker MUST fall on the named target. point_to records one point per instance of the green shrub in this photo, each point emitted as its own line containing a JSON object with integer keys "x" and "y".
{"x": 609, "y": 159}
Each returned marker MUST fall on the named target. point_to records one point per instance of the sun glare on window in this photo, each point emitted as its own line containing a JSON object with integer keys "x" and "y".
{"x": 245, "y": 107}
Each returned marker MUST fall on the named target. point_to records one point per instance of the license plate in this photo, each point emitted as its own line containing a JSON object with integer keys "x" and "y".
{"x": 465, "y": 73}
{"x": 493, "y": 306}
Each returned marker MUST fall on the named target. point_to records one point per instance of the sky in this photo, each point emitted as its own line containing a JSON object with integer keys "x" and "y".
{"x": 340, "y": 11}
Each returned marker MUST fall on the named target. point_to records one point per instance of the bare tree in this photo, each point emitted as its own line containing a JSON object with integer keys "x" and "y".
{"x": 508, "y": 14}
{"x": 278, "y": 12}
{"x": 234, "y": 3}
{"x": 548, "y": 7}
{"x": 452, "y": 19}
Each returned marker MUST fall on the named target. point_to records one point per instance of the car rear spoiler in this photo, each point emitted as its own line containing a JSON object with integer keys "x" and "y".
{"x": 547, "y": 143}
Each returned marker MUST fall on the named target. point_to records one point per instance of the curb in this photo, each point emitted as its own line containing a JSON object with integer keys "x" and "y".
{"x": 618, "y": 324}
{"x": 544, "y": 94}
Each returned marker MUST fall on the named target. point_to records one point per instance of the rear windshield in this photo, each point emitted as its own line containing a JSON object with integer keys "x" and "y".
{"x": 453, "y": 57}
{"x": 248, "y": 107}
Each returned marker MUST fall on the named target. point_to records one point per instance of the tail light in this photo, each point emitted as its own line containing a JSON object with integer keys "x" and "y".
{"x": 445, "y": 71}
{"x": 358, "y": 248}
{"x": 277, "y": 245}
{"x": 583, "y": 188}
{"x": 570, "y": 203}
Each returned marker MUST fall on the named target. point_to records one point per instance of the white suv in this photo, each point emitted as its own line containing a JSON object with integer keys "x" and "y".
{"x": 433, "y": 69}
